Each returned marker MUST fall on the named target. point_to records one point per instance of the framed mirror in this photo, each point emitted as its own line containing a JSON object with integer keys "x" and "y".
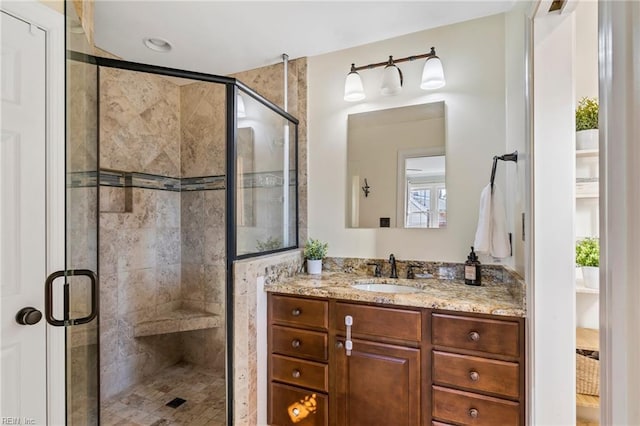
{"x": 396, "y": 168}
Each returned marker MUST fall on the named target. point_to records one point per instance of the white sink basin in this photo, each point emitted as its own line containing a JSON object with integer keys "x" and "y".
{"x": 385, "y": 288}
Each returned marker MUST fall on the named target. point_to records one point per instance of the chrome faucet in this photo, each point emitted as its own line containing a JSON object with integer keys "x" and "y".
{"x": 394, "y": 272}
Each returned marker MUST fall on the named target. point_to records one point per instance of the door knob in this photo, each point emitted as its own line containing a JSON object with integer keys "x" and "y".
{"x": 28, "y": 316}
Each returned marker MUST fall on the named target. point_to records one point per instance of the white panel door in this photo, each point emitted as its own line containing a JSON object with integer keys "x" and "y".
{"x": 22, "y": 221}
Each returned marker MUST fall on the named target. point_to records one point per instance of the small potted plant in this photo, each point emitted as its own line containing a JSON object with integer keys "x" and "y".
{"x": 588, "y": 257}
{"x": 587, "y": 124}
{"x": 314, "y": 252}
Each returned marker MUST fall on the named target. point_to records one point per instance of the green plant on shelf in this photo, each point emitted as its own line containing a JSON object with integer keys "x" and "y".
{"x": 315, "y": 249}
{"x": 588, "y": 252}
{"x": 587, "y": 114}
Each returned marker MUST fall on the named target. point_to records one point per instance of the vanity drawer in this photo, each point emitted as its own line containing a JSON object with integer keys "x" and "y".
{"x": 467, "y": 408}
{"x": 299, "y": 312}
{"x": 478, "y": 334}
{"x": 375, "y": 322}
{"x": 299, "y": 343}
{"x": 298, "y": 372}
{"x": 478, "y": 374}
{"x": 295, "y": 406}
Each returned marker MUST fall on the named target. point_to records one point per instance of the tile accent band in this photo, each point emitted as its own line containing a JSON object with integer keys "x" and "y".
{"x": 121, "y": 179}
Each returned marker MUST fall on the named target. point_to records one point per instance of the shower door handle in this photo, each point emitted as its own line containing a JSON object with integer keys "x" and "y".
{"x": 48, "y": 296}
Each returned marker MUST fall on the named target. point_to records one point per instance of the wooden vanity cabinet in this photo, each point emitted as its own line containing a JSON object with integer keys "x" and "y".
{"x": 407, "y": 367}
{"x": 477, "y": 369}
{"x": 298, "y": 361}
{"x": 379, "y": 382}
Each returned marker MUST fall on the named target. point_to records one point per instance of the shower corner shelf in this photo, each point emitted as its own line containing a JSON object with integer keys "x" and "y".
{"x": 177, "y": 321}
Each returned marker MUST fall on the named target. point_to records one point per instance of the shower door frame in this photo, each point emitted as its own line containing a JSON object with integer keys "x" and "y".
{"x": 231, "y": 85}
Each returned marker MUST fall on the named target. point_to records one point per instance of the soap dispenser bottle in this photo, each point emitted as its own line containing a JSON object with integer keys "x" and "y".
{"x": 472, "y": 269}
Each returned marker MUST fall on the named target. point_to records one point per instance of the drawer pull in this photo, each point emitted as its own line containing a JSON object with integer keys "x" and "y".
{"x": 296, "y": 312}
{"x": 473, "y": 413}
{"x": 296, "y": 343}
{"x": 296, "y": 374}
{"x": 474, "y": 336}
{"x": 474, "y": 376}
{"x": 339, "y": 345}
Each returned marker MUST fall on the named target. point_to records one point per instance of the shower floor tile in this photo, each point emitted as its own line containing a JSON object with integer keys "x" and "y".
{"x": 145, "y": 403}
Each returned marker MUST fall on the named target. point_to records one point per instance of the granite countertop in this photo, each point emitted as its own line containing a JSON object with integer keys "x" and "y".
{"x": 493, "y": 297}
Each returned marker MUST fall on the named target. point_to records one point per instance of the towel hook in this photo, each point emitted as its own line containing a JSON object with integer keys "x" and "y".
{"x": 365, "y": 188}
{"x": 506, "y": 157}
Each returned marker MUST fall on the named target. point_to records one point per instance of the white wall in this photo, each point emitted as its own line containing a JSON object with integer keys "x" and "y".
{"x": 620, "y": 229}
{"x": 553, "y": 303}
{"x": 473, "y": 56}
{"x": 586, "y": 55}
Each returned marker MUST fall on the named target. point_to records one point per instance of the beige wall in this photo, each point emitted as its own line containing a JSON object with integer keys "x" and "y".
{"x": 475, "y": 131}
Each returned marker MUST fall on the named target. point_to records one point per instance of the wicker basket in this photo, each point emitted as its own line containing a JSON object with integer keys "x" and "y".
{"x": 587, "y": 375}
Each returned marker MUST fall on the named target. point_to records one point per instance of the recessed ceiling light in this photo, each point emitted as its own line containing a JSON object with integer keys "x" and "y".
{"x": 157, "y": 44}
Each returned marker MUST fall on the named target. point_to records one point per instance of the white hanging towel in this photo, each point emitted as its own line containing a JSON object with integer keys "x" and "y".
{"x": 492, "y": 237}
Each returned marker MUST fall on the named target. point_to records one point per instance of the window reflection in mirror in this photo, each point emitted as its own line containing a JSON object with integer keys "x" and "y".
{"x": 425, "y": 204}
{"x": 396, "y": 168}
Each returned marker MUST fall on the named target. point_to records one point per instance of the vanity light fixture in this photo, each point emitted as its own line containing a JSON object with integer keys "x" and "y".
{"x": 157, "y": 44}
{"x": 391, "y": 79}
{"x": 432, "y": 76}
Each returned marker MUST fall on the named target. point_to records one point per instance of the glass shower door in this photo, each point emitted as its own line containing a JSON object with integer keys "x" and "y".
{"x": 80, "y": 290}
{"x": 72, "y": 294}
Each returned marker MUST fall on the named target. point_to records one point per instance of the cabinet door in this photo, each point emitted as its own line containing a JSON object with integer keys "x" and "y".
{"x": 378, "y": 384}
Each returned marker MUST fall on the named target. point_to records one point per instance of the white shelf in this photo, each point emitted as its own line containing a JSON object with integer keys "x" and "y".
{"x": 581, "y": 288}
{"x": 587, "y": 188}
{"x": 586, "y": 153}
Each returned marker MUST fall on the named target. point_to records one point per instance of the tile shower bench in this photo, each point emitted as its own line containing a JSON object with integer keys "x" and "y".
{"x": 176, "y": 321}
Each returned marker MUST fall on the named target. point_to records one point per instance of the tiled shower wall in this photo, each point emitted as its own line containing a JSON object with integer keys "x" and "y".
{"x": 140, "y": 257}
{"x": 167, "y": 250}
{"x": 203, "y": 109}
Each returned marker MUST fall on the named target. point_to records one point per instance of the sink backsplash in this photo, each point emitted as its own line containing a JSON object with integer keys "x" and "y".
{"x": 439, "y": 270}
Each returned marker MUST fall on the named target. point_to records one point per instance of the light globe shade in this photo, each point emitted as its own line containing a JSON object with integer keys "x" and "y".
{"x": 391, "y": 82}
{"x": 353, "y": 90}
{"x": 240, "y": 107}
{"x": 432, "y": 74}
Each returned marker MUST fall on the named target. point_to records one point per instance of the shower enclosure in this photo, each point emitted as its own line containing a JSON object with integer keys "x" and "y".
{"x": 168, "y": 183}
